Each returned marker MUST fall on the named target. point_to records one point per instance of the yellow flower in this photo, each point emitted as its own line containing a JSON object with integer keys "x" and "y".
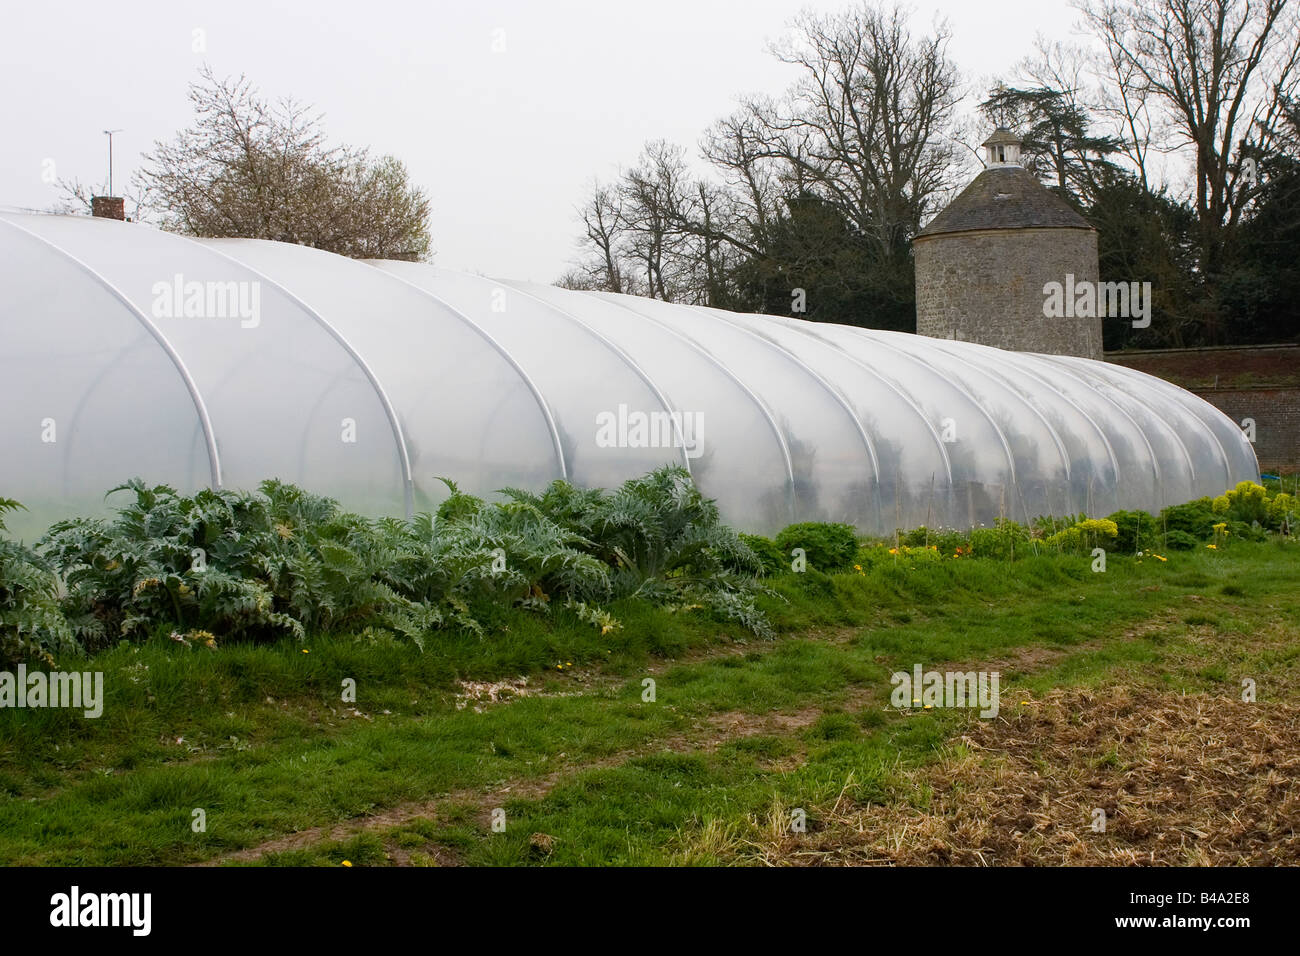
{"x": 1213, "y": 547}
{"x": 305, "y": 651}
{"x": 347, "y": 862}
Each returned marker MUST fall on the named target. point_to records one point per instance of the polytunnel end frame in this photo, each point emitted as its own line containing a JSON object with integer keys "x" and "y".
{"x": 201, "y": 409}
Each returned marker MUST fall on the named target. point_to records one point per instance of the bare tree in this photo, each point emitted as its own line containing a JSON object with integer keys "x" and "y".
{"x": 755, "y": 179}
{"x": 869, "y": 123}
{"x": 1132, "y": 122}
{"x": 712, "y": 219}
{"x": 657, "y": 231}
{"x": 867, "y": 129}
{"x": 603, "y": 260}
{"x": 654, "y": 195}
{"x": 75, "y": 199}
{"x": 1220, "y": 72}
{"x": 256, "y": 169}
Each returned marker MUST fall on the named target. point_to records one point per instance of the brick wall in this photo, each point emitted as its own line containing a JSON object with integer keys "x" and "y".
{"x": 1231, "y": 367}
{"x": 1276, "y": 413}
{"x": 986, "y": 286}
{"x": 108, "y": 207}
{"x": 1261, "y": 383}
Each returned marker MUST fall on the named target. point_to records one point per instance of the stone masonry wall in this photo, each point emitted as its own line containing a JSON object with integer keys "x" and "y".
{"x": 986, "y": 286}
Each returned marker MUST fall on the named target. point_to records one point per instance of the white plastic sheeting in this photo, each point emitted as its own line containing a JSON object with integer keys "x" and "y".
{"x": 128, "y": 351}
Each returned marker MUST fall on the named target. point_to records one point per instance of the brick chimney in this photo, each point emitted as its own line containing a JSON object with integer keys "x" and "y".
{"x": 108, "y": 207}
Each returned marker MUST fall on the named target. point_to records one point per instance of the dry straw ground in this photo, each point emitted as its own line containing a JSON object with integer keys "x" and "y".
{"x": 1192, "y": 779}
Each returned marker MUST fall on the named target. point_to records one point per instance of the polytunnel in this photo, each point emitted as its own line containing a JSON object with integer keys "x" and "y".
{"x": 218, "y": 363}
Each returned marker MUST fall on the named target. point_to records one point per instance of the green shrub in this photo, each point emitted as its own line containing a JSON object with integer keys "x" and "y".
{"x": 32, "y": 626}
{"x": 1247, "y": 503}
{"x": 1088, "y": 534}
{"x": 1135, "y": 531}
{"x": 829, "y": 547}
{"x": 1195, "y": 518}
{"x": 1246, "y": 532}
{"x": 948, "y": 541}
{"x": 282, "y": 560}
{"x": 662, "y": 541}
{"x": 1247, "y": 510}
{"x": 916, "y": 538}
{"x": 869, "y": 555}
{"x": 458, "y": 506}
{"x": 1044, "y": 526}
{"x": 1001, "y": 541}
{"x": 944, "y": 540}
{"x": 1282, "y": 511}
{"x": 769, "y": 555}
{"x": 230, "y": 564}
{"x": 477, "y": 560}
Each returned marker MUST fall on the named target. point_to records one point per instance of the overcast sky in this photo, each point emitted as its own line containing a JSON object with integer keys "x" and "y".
{"x": 505, "y": 143}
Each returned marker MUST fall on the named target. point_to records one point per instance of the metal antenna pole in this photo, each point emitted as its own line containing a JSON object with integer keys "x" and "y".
{"x": 109, "y": 133}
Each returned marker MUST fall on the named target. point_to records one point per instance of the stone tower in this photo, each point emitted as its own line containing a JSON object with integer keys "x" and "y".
{"x": 982, "y": 264}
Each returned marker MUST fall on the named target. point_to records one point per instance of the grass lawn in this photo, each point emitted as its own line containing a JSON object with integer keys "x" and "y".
{"x": 1121, "y": 691}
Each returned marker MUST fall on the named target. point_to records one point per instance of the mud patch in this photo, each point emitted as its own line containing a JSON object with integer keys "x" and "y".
{"x": 475, "y": 693}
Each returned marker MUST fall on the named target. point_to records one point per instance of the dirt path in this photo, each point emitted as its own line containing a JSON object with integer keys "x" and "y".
{"x": 707, "y": 735}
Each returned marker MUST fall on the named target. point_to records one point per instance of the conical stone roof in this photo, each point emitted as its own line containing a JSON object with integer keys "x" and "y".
{"x": 1005, "y": 197}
